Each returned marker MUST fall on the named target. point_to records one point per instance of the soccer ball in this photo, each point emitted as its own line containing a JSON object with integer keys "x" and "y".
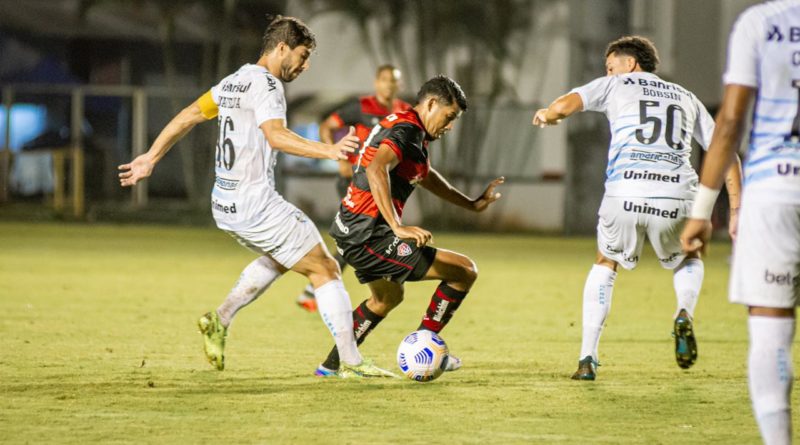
{"x": 422, "y": 356}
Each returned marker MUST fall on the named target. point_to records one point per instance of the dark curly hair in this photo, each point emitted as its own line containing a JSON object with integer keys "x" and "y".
{"x": 638, "y": 47}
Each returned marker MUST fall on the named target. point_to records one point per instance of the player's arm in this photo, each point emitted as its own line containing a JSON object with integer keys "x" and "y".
{"x": 733, "y": 184}
{"x": 380, "y": 186}
{"x": 561, "y": 108}
{"x": 721, "y": 154}
{"x": 326, "y": 130}
{"x": 438, "y": 185}
{"x": 199, "y": 111}
{"x": 287, "y": 141}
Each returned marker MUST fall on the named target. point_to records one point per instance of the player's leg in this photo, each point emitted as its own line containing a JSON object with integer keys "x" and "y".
{"x": 769, "y": 369}
{"x": 386, "y": 295}
{"x": 597, "y": 292}
{"x": 764, "y": 277}
{"x": 306, "y": 298}
{"x": 384, "y": 263}
{"x": 619, "y": 242}
{"x": 456, "y": 273}
{"x": 253, "y": 281}
{"x": 687, "y": 273}
{"x": 332, "y": 298}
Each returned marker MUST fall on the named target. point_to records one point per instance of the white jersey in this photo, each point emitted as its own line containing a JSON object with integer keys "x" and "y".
{"x": 244, "y": 189}
{"x": 764, "y": 53}
{"x": 652, "y": 123}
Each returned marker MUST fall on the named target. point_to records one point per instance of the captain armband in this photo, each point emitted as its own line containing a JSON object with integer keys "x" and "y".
{"x": 208, "y": 108}
{"x": 704, "y": 203}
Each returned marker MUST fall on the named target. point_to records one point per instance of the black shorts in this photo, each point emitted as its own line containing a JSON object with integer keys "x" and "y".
{"x": 390, "y": 258}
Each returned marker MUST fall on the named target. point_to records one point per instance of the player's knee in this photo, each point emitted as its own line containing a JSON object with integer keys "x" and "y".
{"x": 469, "y": 271}
{"x": 383, "y": 304}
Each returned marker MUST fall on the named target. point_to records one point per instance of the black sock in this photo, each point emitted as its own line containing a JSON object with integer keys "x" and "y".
{"x": 444, "y": 302}
{"x": 364, "y": 321}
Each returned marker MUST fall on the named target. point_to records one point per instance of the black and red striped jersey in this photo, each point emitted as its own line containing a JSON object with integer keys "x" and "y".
{"x": 358, "y": 218}
{"x": 364, "y": 113}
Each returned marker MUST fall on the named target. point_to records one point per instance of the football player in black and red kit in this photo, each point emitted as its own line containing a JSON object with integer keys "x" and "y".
{"x": 368, "y": 230}
{"x": 363, "y": 113}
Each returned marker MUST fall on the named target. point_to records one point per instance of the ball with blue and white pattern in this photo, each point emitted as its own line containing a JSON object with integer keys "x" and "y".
{"x": 422, "y": 356}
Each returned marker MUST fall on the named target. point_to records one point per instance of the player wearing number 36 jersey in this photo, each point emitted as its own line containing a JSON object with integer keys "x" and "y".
{"x": 250, "y": 108}
{"x": 650, "y": 184}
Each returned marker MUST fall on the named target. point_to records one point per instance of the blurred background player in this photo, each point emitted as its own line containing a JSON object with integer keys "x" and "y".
{"x": 762, "y": 64}
{"x": 250, "y": 107}
{"x": 368, "y": 230}
{"x": 363, "y": 113}
{"x": 650, "y": 185}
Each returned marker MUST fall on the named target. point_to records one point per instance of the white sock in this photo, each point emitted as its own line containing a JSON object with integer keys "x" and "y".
{"x": 596, "y": 305}
{"x": 688, "y": 279}
{"x": 336, "y": 310}
{"x": 254, "y": 280}
{"x": 769, "y": 367}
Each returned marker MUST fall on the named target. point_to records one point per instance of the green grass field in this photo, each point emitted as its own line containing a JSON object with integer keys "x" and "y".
{"x": 100, "y": 345}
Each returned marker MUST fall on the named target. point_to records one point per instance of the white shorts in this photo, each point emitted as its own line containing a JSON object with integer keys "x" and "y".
{"x": 287, "y": 238}
{"x": 766, "y": 255}
{"x": 624, "y": 222}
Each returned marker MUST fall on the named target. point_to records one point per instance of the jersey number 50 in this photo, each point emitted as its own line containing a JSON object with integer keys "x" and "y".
{"x": 669, "y": 134}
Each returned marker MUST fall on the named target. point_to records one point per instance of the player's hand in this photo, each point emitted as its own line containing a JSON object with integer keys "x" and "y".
{"x": 540, "y": 119}
{"x": 695, "y": 236}
{"x": 136, "y": 170}
{"x": 489, "y": 196}
{"x": 349, "y": 143}
{"x": 412, "y": 233}
{"x": 733, "y": 223}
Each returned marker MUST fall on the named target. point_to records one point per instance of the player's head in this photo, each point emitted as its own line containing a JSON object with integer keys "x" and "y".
{"x": 290, "y": 41}
{"x": 440, "y": 102}
{"x": 629, "y": 54}
{"x": 387, "y": 82}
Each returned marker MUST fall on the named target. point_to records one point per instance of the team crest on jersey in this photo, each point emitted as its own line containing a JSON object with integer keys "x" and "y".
{"x": 404, "y": 250}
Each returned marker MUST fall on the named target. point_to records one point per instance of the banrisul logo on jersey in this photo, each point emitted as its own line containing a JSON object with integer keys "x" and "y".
{"x": 775, "y": 34}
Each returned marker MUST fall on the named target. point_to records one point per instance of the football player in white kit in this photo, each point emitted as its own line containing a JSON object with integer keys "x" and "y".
{"x": 763, "y": 63}
{"x": 650, "y": 185}
{"x": 250, "y": 108}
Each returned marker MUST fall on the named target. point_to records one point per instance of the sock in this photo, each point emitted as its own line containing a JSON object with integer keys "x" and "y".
{"x": 443, "y": 304}
{"x": 687, "y": 280}
{"x": 309, "y": 289}
{"x": 364, "y": 321}
{"x": 254, "y": 280}
{"x": 769, "y": 368}
{"x": 596, "y": 305}
{"x": 333, "y": 303}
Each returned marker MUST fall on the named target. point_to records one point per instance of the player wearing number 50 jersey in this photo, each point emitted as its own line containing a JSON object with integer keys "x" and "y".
{"x": 763, "y": 63}
{"x": 250, "y": 108}
{"x": 650, "y": 185}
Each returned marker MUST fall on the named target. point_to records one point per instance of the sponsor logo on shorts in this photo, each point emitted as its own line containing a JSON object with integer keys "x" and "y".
{"x": 780, "y": 279}
{"x": 340, "y": 225}
{"x": 611, "y": 249}
{"x": 651, "y": 176}
{"x": 646, "y": 209}
{"x": 220, "y": 207}
{"x": 226, "y": 184}
{"x": 404, "y": 250}
{"x": 670, "y": 258}
{"x": 647, "y": 156}
{"x": 390, "y": 247}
